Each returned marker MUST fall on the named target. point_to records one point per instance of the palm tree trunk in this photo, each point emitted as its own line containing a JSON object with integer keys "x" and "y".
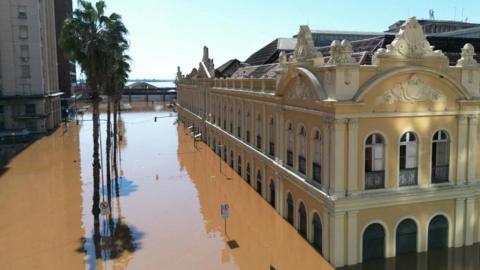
{"x": 108, "y": 148}
{"x": 96, "y": 158}
{"x": 114, "y": 136}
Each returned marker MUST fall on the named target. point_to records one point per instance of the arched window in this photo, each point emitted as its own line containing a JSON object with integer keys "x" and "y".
{"x": 317, "y": 233}
{"x": 302, "y": 220}
{"x": 231, "y": 119}
{"x": 231, "y": 159}
{"x": 290, "y": 208}
{"x": 271, "y": 137}
{"x": 438, "y": 233}
{"x": 271, "y": 199}
{"x": 289, "y": 145}
{"x": 406, "y": 241}
{"x": 239, "y": 121}
{"x": 225, "y": 117}
{"x": 301, "y": 150}
{"x": 374, "y": 162}
{"x": 259, "y": 131}
{"x": 317, "y": 158}
{"x": 239, "y": 165}
{"x": 259, "y": 182}
{"x": 247, "y": 173}
{"x": 248, "y": 123}
{"x": 374, "y": 242}
{"x": 408, "y": 159}
{"x": 440, "y": 157}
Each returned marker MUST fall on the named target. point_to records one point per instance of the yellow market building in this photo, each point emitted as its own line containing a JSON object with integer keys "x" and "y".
{"x": 366, "y": 161}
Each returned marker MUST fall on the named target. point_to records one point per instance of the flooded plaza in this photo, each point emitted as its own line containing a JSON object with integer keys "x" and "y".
{"x": 167, "y": 214}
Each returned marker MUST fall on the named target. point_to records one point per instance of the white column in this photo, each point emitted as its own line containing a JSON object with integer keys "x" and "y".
{"x": 469, "y": 221}
{"x": 461, "y": 151}
{"x": 352, "y": 217}
{"x": 279, "y": 132}
{"x": 472, "y": 147}
{"x": 264, "y": 130}
{"x": 278, "y": 193}
{"x": 337, "y": 231}
{"x": 459, "y": 221}
{"x": 352, "y": 155}
{"x": 326, "y": 157}
{"x": 338, "y": 175}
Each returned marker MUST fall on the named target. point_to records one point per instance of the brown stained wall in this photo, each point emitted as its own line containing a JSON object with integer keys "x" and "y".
{"x": 392, "y": 129}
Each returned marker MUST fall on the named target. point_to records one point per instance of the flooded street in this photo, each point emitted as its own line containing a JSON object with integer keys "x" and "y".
{"x": 167, "y": 214}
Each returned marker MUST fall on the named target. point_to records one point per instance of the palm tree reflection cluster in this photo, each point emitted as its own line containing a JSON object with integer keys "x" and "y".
{"x": 97, "y": 42}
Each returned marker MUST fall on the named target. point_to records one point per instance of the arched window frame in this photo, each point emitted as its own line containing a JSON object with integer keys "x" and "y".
{"x": 258, "y": 131}
{"x": 302, "y": 157}
{"x": 317, "y": 156}
{"x": 259, "y": 182}
{"x": 271, "y": 137}
{"x": 374, "y": 154}
{"x": 408, "y": 159}
{"x": 302, "y": 219}
{"x": 289, "y": 138}
{"x": 440, "y": 157}
{"x": 317, "y": 240}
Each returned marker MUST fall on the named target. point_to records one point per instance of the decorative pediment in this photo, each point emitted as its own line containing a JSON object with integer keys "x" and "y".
{"x": 410, "y": 91}
{"x": 299, "y": 90}
{"x": 305, "y": 48}
{"x": 410, "y": 42}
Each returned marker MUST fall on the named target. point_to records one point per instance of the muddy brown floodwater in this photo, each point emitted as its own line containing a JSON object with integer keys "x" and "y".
{"x": 166, "y": 214}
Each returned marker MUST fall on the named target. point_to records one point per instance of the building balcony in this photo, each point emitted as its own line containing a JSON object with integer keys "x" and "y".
{"x": 408, "y": 177}
{"x": 374, "y": 180}
{"x": 440, "y": 173}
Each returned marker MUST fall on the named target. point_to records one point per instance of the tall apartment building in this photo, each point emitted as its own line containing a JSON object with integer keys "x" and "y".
{"x": 366, "y": 159}
{"x": 29, "y": 91}
{"x": 66, "y": 68}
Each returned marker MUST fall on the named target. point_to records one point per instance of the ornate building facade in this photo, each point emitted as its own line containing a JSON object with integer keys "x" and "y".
{"x": 365, "y": 161}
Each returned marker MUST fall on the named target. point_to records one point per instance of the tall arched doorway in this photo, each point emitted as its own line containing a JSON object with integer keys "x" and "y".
{"x": 271, "y": 199}
{"x": 302, "y": 220}
{"x": 290, "y": 208}
{"x": 374, "y": 242}
{"x": 317, "y": 233}
{"x": 438, "y": 233}
{"x": 406, "y": 237}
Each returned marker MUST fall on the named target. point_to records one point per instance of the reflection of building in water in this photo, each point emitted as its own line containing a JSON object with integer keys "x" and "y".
{"x": 41, "y": 205}
{"x": 263, "y": 237}
{"x": 365, "y": 161}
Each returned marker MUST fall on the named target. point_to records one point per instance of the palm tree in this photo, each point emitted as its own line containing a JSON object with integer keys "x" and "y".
{"x": 87, "y": 38}
{"x": 122, "y": 69}
{"x": 118, "y": 45}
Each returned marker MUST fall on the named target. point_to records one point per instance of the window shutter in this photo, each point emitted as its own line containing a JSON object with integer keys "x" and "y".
{"x": 411, "y": 161}
{"x": 378, "y": 157}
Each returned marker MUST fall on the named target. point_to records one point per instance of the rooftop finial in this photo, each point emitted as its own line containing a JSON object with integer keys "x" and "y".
{"x": 205, "y": 54}
{"x": 468, "y": 52}
{"x": 305, "y": 48}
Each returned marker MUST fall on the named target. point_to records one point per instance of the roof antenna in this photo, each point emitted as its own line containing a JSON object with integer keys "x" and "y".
{"x": 431, "y": 14}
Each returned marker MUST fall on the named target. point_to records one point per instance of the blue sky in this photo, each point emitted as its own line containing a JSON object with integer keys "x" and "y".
{"x": 165, "y": 34}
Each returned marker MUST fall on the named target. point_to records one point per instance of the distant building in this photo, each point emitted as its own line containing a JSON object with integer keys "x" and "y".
{"x": 435, "y": 26}
{"x": 370, "y": 149}
{"x": 66, "y": 68}
{"x": 29, "y": 90}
